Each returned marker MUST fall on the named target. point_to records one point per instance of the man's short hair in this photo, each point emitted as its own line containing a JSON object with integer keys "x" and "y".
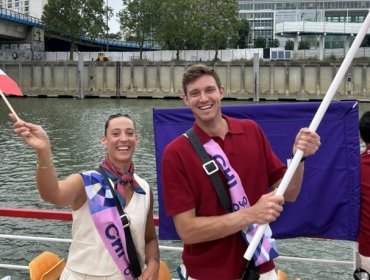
{"x": 365, "y": 127}
{"x": 196, "y": 71}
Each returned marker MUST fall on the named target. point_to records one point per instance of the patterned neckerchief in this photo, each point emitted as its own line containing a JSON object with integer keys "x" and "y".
{"x": 121, "y": 179}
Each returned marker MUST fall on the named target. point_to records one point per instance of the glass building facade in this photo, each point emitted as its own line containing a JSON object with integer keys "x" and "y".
{"x": 264, "y": 15}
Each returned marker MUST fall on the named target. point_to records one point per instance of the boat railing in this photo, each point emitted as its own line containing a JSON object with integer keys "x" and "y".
{"x": 67, "y": 216}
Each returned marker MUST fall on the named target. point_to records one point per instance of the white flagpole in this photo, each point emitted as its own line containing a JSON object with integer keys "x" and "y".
{"x": 313, "y": 126}
{"x": 8, "y": 104}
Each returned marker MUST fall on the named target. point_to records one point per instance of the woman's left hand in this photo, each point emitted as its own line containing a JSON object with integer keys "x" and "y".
{"x": 151, "y": 272}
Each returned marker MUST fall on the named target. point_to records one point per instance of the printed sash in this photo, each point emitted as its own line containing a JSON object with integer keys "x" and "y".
{"x": 266, "y": 249}
{"x": 106, "y": 219}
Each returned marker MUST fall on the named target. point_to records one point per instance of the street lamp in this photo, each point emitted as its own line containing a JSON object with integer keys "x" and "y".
{"x": 302, "y": 15}
{"x": 107, "y": 28}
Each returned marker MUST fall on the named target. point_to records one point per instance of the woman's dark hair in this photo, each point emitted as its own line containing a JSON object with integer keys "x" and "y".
{"x": 365, "y": 127}
{"x": 196, "y": 71}
{"x": 114, "y": 116}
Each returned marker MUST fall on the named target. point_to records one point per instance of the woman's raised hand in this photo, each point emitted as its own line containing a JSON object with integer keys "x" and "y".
{"x": 32, "y": 134}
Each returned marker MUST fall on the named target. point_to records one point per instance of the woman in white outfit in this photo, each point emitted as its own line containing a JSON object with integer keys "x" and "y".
{"x": 98, "y": 247}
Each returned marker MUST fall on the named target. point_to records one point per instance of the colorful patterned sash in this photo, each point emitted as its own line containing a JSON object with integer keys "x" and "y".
{"x": 106, "y": 219}
{"x": 266, "y": 249}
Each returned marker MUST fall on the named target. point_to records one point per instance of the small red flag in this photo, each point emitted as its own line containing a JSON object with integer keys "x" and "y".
{"x": 8, "y": 86}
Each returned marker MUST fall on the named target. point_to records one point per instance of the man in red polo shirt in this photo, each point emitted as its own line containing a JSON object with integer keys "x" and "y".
{"x": 364, "y": 232}
{"x": 213, "y": 245}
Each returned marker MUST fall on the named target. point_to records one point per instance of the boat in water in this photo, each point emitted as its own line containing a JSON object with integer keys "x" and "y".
{"x": 35, "y": 231}
{"x": 21, "y": 268}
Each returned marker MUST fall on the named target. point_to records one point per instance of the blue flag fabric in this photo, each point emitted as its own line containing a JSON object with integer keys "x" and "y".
{"x": 329, "y": 203}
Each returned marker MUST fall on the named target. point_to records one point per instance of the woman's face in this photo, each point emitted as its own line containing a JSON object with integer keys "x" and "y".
{"x": 120, "y": 140}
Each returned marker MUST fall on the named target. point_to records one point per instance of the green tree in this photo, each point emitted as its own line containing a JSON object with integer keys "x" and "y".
{"x": 75, "y": 19}
{"x": 365, "y": 42}
{"x": 243, "y": 32}
{"x": 220, "y": 23}
{"x": 304, "y": 45}
{"x": 273, "y": 43}
{"x": 289, "y": 45}
{"x": 137, "y": 21}
{"x": 108, "y": 14}
{"x": 177, "y": 24}
{"x": 115, "y": 36}
{"x": 260, "y": 42}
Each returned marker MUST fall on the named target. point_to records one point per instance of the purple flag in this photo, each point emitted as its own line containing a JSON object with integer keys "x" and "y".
{"x": 329, "y": 203}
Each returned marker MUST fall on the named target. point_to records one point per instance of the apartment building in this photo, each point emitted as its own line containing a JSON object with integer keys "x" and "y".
{"x": 27, "y": 7}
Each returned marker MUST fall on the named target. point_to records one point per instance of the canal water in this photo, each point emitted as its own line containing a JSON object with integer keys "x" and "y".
{"x": 75, "y": 128}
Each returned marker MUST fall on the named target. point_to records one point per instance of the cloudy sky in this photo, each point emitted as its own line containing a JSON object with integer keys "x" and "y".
{"x": 117, "y": 6}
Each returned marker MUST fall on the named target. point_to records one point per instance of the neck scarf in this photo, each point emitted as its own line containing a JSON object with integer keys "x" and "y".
{"x": 121, "y": 179}
{"x": 266, "y": 249}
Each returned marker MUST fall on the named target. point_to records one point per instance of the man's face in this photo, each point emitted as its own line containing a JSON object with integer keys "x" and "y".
{"x": 204, "y": 98}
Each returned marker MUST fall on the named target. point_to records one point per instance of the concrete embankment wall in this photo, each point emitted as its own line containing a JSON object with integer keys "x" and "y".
{"x": 264, "y": 81}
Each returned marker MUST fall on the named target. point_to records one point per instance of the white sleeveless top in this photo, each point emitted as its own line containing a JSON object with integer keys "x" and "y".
{"x": 87, "y": 253}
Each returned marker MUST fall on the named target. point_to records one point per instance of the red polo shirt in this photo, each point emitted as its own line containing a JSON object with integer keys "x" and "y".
{"x": 364, "y": 233}
{"x": 186, "y": 186}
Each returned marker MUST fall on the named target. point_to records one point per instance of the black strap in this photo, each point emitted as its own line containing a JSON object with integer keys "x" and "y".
{"x": 211, "y": 168}
{"x": 131, "y": 251}
{"x": 250, "y": 272}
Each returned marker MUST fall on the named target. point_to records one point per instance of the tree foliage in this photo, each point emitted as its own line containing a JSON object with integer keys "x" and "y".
{"x": 178, "y": 25}
{"x": 304, "y": 45}
{"x": 274, "y": 43}
{"x": 137, "y": 21}
{"x": 260, "y": 42}
{"x": 243, "y": 32}
{"x": 74, "y": 19}
{"x": 289, "y": 45}
{"x": 365, "y": 42}
{"x": 220, "y": 23}
{"x": 182, "y": 24}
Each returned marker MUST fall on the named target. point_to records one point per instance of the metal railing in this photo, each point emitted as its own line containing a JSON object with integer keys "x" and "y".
{"x": 67, "y": 216}
{"x": 20, "y": 17}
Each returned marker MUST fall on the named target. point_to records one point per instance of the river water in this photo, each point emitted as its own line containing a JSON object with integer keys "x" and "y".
{"x": 75, "y": 128}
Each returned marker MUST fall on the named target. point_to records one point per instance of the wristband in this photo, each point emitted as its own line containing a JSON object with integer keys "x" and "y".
{"x": 44, "y": 165}
{"x": 302, "y": 159}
